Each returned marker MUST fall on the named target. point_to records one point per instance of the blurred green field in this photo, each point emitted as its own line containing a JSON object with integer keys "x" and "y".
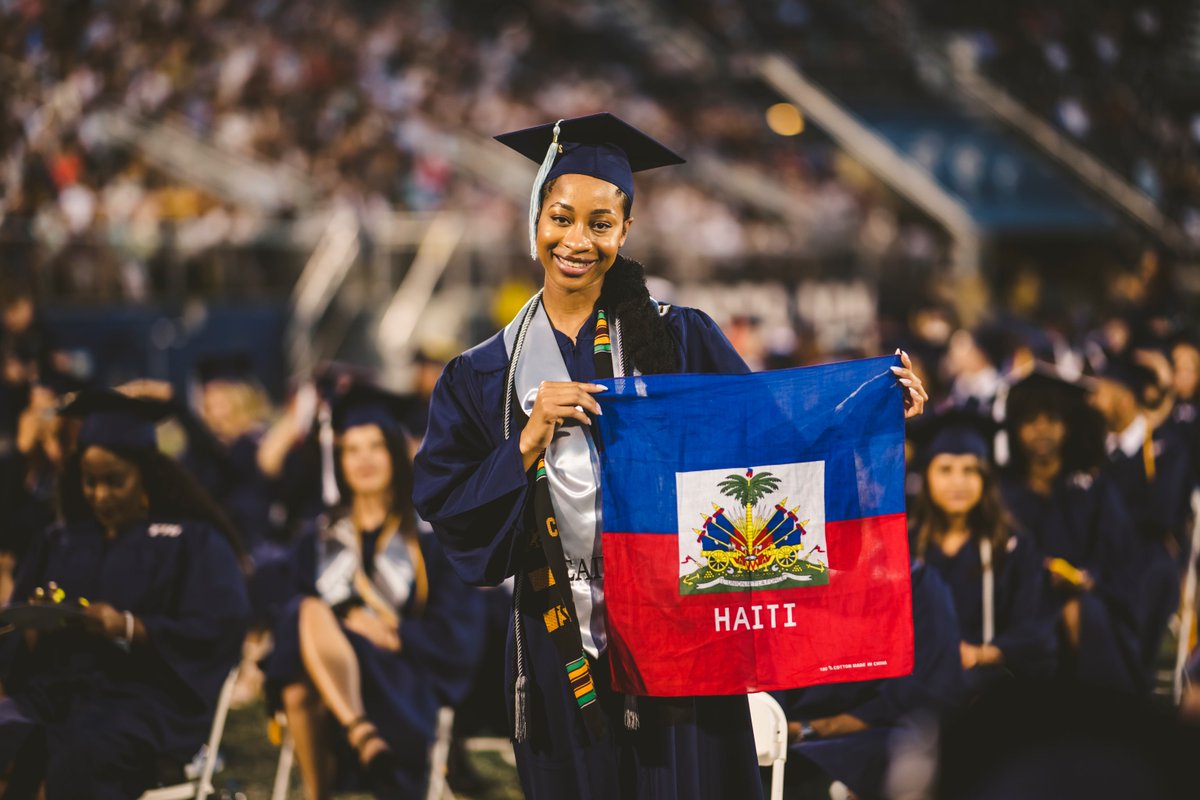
{"x": 250, "y": 761}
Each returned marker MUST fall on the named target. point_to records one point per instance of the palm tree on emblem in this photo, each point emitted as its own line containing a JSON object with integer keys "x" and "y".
{"x": 749, "y": 490}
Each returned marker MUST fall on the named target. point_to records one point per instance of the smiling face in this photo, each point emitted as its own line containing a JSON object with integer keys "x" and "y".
{"x": 1041, "y": 436}
{"x": 113, "y": 489}
{"x": 366, "y": 460}
{"x": 955, "y": 482}
{"x": 581, "y": 228}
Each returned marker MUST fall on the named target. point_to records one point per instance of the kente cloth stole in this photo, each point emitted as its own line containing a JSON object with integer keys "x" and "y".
{"x": 545, "y": 586}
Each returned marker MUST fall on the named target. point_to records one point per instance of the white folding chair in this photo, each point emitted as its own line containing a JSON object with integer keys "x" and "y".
{"x": 201, "y": 786}
{"x": 770, "y": 737}
{"x": 439, "y": 754}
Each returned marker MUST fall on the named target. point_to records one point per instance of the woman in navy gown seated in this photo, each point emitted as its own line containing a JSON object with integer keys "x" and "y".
{"x": 995, "y": 575}
{"x": 382, "y": 633}
{"x": 101, "y": 706}
{"x": 1074, "y": 514}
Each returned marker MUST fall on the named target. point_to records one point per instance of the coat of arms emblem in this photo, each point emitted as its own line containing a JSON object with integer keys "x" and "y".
{"x": 747, "y": 534}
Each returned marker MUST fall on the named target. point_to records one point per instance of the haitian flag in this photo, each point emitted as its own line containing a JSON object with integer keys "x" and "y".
{"x": 754, "y": 529}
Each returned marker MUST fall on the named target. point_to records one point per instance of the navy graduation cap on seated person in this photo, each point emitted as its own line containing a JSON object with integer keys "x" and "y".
{"x": 1127, "y": 372}
{"x": 956, "y": 432}
{"x": 112, "y": 419}
{"x": 367, "y": 404}
{"x": 599, "y": 145}
{"x": 359, "y": 404}
{"x": 1044, "y": 389}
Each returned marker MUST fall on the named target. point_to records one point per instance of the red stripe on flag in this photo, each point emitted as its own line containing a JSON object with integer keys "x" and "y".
{"x": 857, "y": 627}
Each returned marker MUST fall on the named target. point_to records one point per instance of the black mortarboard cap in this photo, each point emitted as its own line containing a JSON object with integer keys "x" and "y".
{"x": 367, "y": 404}
{"x": 112, "y": 419}
{"x": 1044, "y": 390}
{"x": 1127, "y": 372}
{"x": 600, "y": 145}
{"x": 234, "y": 365}
{"x": 956, "y": 431}
{"x": 61, "y": 382}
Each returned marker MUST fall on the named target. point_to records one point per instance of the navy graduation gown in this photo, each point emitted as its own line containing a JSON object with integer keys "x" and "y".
{"x": 1159, "y": 504}
{"x": 402, "y": 691}
{"x": 231, "y": 475}
{"x": 1084, "y": 521}
{"x": 892, "y": 707}
{"x": 110, "y": 717}
{"x": 1023, "y": 632}
{"x": 472, "y": 487}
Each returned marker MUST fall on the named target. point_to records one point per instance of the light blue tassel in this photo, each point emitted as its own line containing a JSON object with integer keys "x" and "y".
{"x": 535, "y": 199}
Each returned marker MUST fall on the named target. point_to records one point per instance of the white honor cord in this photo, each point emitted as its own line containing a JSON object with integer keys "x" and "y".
{"x": 989, "y": 594}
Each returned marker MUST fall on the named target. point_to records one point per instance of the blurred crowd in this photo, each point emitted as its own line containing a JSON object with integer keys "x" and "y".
{"x": 1117, "y": 77}
{"x": 350, "y": 95}
{"x": 1074, "y": 413}
{"x": 1087, "y": 454}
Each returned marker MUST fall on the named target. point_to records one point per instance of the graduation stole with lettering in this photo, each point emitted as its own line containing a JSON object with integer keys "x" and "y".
{"x": 543, "y": 586}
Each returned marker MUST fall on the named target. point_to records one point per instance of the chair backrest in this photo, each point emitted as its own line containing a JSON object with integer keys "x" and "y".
{"x": 439, "y": 752}
{"x": 770, "y": 728}
{"x": 201, "y": 786}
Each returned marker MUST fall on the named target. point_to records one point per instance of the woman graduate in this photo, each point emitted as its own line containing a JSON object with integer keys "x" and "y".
{"x": 98, "y": 708}
{"x": 502, "y": 509}
{"x": 995, "y": 574}
{"x": 383, "y": 632}
{"x": 1058, "y": 495}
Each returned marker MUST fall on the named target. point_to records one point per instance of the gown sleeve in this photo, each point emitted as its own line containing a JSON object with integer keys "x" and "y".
{"x": 936, "y": 683}
{"x": 705, "y": 347}
{"x": 1116, "y": 547}
{"x": 200, "y": 636}
{"x": 469, "y": 485}
{"x": 447, "y": 639}
{"x": 1024, "y": 634}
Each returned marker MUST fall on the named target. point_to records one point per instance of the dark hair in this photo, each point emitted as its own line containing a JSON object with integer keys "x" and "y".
{"x": 548, "y": 186}
{"x": 987, "y": 520}
{"x": 173, "y": 493}
{"x": 1083, "y": 445}
{"x": 402, "y": 479}
{"x": 646, "y": 340}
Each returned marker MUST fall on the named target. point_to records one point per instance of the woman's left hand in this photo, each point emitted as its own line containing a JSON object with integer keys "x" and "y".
{"x": 915, "y": 395}
{"x": 373, "y": 629}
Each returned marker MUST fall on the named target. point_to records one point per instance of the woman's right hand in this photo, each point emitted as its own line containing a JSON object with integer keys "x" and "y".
{"x": 556, "y": 402}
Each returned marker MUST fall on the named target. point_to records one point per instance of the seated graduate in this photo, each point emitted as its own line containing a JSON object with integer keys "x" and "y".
{"x": 995, "y": 575}
{"x": 523, "y": 400}
{"x": 1151, "y": 466}
{"x": 1058, "y": 495}
{"x": 101, "y": 706}
{"x": 850, "y": 732}
{"x": 383, "y": 633}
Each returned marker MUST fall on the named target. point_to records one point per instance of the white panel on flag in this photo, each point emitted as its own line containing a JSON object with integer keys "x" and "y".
{"x": 751, "y": 527}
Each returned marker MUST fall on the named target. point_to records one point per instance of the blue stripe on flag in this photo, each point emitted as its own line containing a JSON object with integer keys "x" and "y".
{"x": 850, "y": 415}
